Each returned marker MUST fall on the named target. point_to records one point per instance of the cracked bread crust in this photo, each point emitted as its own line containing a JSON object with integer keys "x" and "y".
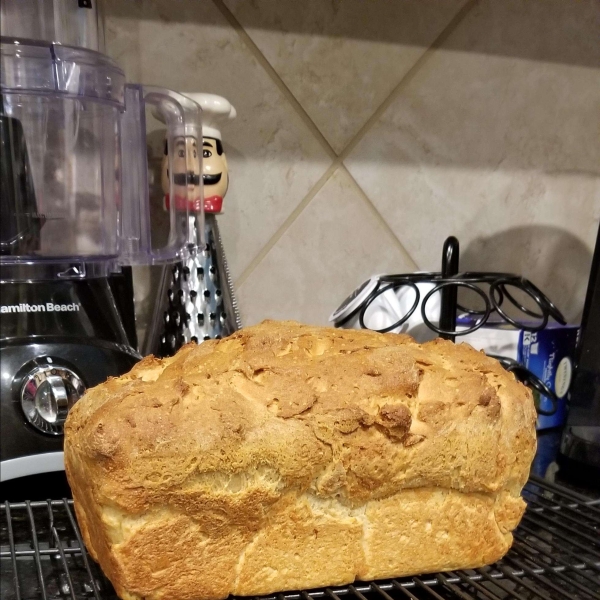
{"x": 289, "y": 456}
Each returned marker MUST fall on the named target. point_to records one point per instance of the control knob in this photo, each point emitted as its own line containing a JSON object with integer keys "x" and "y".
{"x": 47, "y": 394}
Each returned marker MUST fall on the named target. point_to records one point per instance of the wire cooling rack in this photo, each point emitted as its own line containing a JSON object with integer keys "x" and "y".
{"x": 555, "y": 556}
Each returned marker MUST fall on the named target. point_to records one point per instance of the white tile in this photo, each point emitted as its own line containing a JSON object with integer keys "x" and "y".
{"x": 342, "y": 59}
{"x": 501, "y": 151}
{"x": 274, "y": 159}
{"x": 333, "y": 246}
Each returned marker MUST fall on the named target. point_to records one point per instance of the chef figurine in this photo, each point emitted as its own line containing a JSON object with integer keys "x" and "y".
{"x": 215, "y": 174}
{"x": 200, "y": 302}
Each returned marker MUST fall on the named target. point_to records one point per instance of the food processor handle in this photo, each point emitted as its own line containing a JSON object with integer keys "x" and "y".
{"x": 184, "y": 128}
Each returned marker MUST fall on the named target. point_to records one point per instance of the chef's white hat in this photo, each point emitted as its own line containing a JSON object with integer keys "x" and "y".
{"x": 215, "y": 110}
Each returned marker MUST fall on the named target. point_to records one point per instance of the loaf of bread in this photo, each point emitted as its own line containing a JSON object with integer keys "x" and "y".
{"x": 290, "y": 457}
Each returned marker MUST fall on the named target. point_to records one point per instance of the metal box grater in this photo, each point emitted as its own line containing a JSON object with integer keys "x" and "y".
{"x": 197, "y": 300}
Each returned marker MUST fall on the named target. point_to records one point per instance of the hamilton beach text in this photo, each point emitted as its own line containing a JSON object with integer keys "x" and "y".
{"x": 47, "y": 307}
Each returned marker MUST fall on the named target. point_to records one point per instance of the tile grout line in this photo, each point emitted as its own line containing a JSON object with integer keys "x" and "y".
{"x": 379, "y": 217}
{"x": 304, "y": 116}
{"x": 281, "y": 230}
{"x": 337, "y": 159}
{"x": 275, "y": 77}
{"x": 408, "y": 76}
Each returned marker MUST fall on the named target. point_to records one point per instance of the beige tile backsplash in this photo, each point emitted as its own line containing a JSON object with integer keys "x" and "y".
{"x": 335, "y": 242}
{"x": 340, "y": 79}
{"x": 369, "y": 131}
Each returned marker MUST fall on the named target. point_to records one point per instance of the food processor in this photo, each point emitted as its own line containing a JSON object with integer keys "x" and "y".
{"x": 74, "y": 214}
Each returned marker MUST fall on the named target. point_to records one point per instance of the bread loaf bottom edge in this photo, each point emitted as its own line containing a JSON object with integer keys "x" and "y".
{"x": 308, "y": 542}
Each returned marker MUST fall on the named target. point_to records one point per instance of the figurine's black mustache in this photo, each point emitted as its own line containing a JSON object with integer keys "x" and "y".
{"x": 211, "y": 179}
{"x": 189, "y": 178}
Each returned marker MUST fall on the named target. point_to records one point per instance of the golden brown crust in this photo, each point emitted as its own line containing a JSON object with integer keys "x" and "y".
{"x": 288, "y": 456}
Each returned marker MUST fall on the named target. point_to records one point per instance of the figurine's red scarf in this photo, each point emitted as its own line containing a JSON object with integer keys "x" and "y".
{"x": 212, "y": 204}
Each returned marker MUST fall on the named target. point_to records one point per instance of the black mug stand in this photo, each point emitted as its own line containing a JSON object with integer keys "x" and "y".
{"x": 449, "y": 294}
{"x": 448, "y": 309}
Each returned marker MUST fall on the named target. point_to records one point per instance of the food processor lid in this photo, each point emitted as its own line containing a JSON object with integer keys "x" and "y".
{"x": 34, "y": 67}
{"x": 76, "y": 165}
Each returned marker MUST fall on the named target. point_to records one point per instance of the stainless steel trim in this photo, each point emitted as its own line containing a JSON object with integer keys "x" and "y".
{"x": 31, "y": 465}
